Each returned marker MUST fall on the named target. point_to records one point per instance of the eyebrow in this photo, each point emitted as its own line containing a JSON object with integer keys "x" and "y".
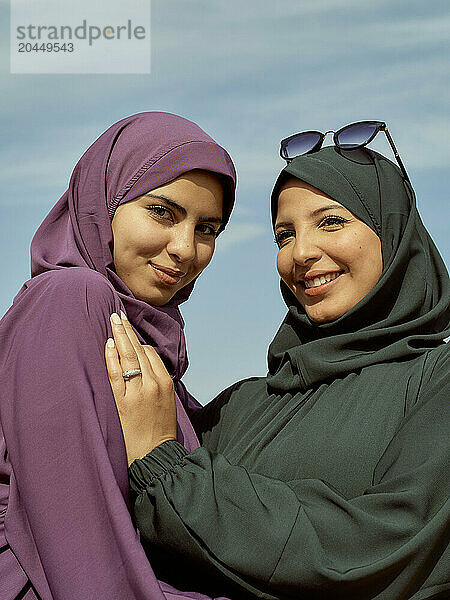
{"x": 318, "y": 211}
{"x": 313, "y": 213}
{"x": 282, "y": 224}
{"x": 180, "y": 208}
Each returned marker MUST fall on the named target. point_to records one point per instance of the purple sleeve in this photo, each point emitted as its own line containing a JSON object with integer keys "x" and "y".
{"x": 67, "y": 520}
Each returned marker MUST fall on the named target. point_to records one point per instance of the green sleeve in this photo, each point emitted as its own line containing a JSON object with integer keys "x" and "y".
{"x": 275, "y": 539}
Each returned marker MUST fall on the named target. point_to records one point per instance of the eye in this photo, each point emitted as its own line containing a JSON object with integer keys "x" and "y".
{"x": 207, "y": 230}
{"x": 160, "y": 212}
{"x": 282, "y": 236}
{"x": 333, "y": 222}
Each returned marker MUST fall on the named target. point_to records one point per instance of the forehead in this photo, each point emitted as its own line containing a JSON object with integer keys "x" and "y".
{"x": 195, "y": 179}
{"x": 201, "y": 185}
{"x": 299, "y": 197}
{"x": 193, "y": 191}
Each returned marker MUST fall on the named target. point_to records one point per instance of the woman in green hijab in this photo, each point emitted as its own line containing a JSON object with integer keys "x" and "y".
{"x": 328, "y": 478}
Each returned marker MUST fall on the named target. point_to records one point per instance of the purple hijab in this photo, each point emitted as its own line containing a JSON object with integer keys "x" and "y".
{"x": 65, "y": 528}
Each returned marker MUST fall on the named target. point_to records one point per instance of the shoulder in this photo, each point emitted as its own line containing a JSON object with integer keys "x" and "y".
{"x": 422, "y": 437}
{"x": 66, "y": 312}
{"x": 438, "y": 358}
{"x": 73, "y": 279}
{"x": 76, "y": 290}
{"x": 72, "y": 283}
{"x": 428, "y": 421}
{"x": 436, "y": 373}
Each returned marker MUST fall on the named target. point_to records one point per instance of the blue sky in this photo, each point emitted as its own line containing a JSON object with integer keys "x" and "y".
{"x": 250, "y": 73}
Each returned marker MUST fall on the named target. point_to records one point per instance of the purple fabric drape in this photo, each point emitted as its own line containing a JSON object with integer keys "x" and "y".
{"x": 65, "y": 528}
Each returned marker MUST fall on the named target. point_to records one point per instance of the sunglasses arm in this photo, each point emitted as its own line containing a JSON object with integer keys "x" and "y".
{"x": 396, "y": 154}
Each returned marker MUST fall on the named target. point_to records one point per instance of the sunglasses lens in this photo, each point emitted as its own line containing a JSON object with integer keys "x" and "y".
{"x": 300, "y": 144}
{"x": 355, "y": 135}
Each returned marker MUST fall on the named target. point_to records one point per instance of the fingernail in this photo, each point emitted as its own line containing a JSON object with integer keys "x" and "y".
{"x": 115, "y": 319}
{"x": 110, "y": 343}
{"x": 123, "y": 316}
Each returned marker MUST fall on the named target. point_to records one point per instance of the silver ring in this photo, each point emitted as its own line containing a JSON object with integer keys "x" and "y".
{"x": 131, "y": 373}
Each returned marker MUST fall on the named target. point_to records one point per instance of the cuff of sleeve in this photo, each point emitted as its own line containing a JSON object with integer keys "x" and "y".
{"x": 160, "y": 460}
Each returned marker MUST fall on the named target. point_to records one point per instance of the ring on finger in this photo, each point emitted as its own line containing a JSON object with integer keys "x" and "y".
{"x": 131, "y": 373}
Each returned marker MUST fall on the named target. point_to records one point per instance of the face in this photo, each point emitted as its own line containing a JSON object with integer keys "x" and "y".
{"x": 328, "y": 257}
{"x": 164, "y": 239}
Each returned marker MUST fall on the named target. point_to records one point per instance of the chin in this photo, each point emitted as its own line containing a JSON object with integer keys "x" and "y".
{"x": 154, "y": 299}
{"x": 322, "y": 316}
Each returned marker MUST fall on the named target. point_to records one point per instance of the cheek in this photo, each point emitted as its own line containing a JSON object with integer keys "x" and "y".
{"x": 345, "y": 248}
{"x": 138, "y": 239}
{"x": 279, "y": 262}
{"x": 348, "y": 249}
{"x": 205, "y": 252}
{"x": 283, "y": 265}
{"x": 374, "y": 261}
{"x": 365, "y": 258}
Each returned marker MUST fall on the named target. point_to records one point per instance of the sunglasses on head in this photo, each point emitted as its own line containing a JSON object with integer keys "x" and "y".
{"x": 350, "y": 137}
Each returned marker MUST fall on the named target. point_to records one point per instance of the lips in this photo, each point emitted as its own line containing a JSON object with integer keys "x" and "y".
{"x": 316, "y": 283}
{"x": 167, "y": 275}
{"x": 313, "y": 281}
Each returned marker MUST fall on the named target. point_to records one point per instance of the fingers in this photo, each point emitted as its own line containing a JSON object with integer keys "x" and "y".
{"x": 146, "y": 403}
{"x": 129, "y": 358}
{"x": 157, "y": 364}
{"x": 133, "y": 338}
{"x": 114, "y": 369}
{"x": 133, "y": 355}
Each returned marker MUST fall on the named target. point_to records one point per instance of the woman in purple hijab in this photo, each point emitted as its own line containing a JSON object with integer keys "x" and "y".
{"x": 65, "y": 527}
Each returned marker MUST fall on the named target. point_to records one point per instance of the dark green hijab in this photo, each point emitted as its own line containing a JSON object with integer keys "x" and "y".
{"x": 403, "y": 316}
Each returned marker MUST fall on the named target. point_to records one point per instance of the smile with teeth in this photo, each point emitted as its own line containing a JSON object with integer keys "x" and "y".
{"x": 321, "y": 280}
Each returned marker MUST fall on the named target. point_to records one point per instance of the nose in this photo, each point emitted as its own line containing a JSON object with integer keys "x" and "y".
{"x": 305, "y": 250}
{"x": 181, "y": 244}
